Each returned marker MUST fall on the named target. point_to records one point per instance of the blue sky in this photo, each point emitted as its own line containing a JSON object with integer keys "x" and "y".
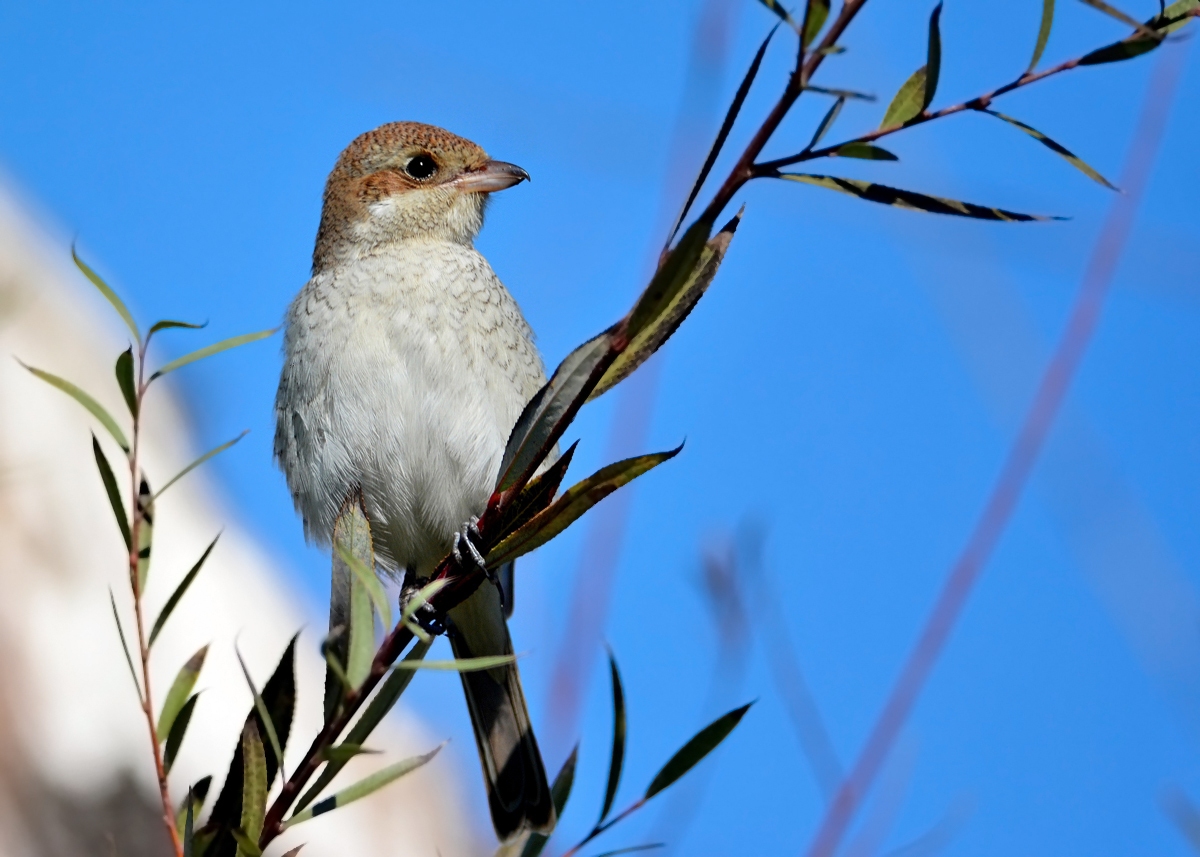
{"x": 851, "y": 382}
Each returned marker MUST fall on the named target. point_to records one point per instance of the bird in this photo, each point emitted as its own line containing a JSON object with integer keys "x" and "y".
{"x": 406, "y": 364}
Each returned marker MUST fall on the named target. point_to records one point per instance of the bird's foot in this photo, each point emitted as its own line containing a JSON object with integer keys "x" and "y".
{"x": 429, "y": 620}
{"x": 463, "y": 538}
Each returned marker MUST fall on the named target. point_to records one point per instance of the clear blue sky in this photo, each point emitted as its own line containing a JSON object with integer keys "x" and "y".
{"x": 851, "y": 381}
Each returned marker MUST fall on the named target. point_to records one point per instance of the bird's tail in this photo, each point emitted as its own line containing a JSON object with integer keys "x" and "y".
{"x": 518, "y": 791}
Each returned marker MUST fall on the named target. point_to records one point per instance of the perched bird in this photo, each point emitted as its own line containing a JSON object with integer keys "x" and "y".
{"x": 406, "y": 365}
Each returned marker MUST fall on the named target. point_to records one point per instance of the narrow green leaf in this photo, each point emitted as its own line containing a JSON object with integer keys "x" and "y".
{"x": 114, "y": 494}
{"x": 345, "y": 752}
{"x": 669, "y": 312}
{"x": 1043, "y": 33}
{"x": 189, "y": 823}
{"x": 109, "y": 294}
{"x": 362, "y": 634}
{"x": 167, "y": 324}
{"x": 182, "y": 473}
{"x": 559, "y": 793}
{"x": 370, "y": 582}
{"x": 245, "y": 844}
{"x": 292, "y": 852}
{"x": 124, "y": 646}
{"x": 215, "y": 348}
{"x": 264, "y": 713}
{"x": 364, "y": 787}
{"x": 179, "y": 727}
{"x": 1145, "y": 30}
{"x": 145, "y": 502}
{"x": 630, "y": 850}
{"x": 254, "y": 789}
{"x": 826, "y": 123}
{"x": 783, "y": 14}
{"x": 841, "y": 93}
{"x": 617, "y": 760}
{"x": 830, "y": 51}
{"x": 1069, "y": 156}
{"x": 179, "y": 592}
{"x": 815, "y": 14}
{"x": 865, "y": 151}
{"x": 917, "y": 92}
{"x": 385, "y": 698}
{"x": 1168, "y": 21}
{"x": 421, "y": 597}
{"x": 909, "y": 199}
{"x": 670, "y": 279}
{"x": 934, "y": 62}
{"x": 576, "y": 500}
{"x": 124, "y": 371}
{"x": 93, "y": 407}
{"x": 181, "y": 688}
{"x": 462, "y": 665}
{"x": 535, "y": 496}
{"x": 701, "y": 744}
{"x": 196, "y": 796}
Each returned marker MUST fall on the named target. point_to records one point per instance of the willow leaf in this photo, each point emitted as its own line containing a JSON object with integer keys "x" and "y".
{"x": 917, "y": 92}
{"x": 1146, "y": 30}
{"x": 783, "y": 14}
{"x": 179, "y": 592}
{"x": 167, "y": 324}
{"x": 462, "y": 665}
{"x": 109, "y": 294}
{"x": 93, "y": 407}
{"x": 1166, "y": 22}
{"x": 370, "y": 581}
{"x": 263, "y": 712}
{"x": 701, "y": 744}
{"x": 815, "y": 14}
{"x": 864, "y": 151}
{"x": 215, "y": 348}
{"x": 827, "y": 123}
{"x": 124, "y": 373}
{"x": 181, "y": 689}
{"x": 178, "y": 730}
{"x": 114, "y": 494}
{"x": 617, "y": 759}
{"x": 1043, "y": 33}
{"x": 124, "y": 646}
{"x": 254, "y": 790}
{"x": 212, "y": 452}
{"x": 1071, "y": 158}
{"x": 145, "y": 503}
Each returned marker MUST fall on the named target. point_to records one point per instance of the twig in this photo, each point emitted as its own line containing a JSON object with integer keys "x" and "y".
{"x": 1022, "y": 457}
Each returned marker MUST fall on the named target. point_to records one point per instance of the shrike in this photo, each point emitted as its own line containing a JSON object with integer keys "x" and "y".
{"x": 406, "y": 365}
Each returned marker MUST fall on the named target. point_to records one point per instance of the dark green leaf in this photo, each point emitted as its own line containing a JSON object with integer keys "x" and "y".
{"x": 580, "y": 497}
{"x": 179, "y": 726}
{"x": 189, "y": 823}
{"x": 1168, "y": 21}
{"x": 182, "y": 473}
{"x": 551, "y": 410}
{"x": 730, "y": 117}
{"x": 670, "y": 279}
{"x": 1071, "y": 158}
{"x": 841, "y": 93}
{"x": 345, "y": 752}
{"x": 917, "y": 92}
{"x": 783, "y": 14}
{"x": 1145, "y": 30}
{"x": 109, "y": 294}
{"x": 827, "y": 122}
{"x": 94, "y": 408}
{"x": 865, "y": 151}
{"x": 910, "y": 199}
{"x": 462, "y": 665}
{"x": 617, "y": 759}
{"x": 934, "y": 62}
{"x": 124, "y": 646}
{"x": 124, "y": 370}
{"x": 559, "y": 792}
{"x": 535, "y": 496}
{"x": 179, "y": 592}
{"x": 389, "y": 692}
{"x": 703, "y": 743}
{"x": 215, "y": 348}
{"x": 181, "y": 688}
{"x": 145, "y": 533}
{"x": 364, "y": 787}
{"x": 815, "y": 14}
{"x": 632, "y": 849}
{"x": 114, "y": 494}
{"x": 166, "y": 325}
{"x": 1043, "y": 32}
{"x": 264, "y": 714}
{"x": 196, "y": 796}
{"x": 669, "y": 312}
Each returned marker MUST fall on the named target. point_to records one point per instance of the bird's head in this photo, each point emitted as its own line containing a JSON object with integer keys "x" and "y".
{"x": 405, "y": 181}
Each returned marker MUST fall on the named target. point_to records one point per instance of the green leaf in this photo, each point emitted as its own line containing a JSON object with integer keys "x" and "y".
{"x": 93, "y": 407}
{"x": 535, "y": 496}
{"x": 576, "y": 500}
{"x": 865, "y": 151}
{"x": 1070, "y": 157}
{"x": 245, "y": 844}
{"x": 215, "y": 348}
{"x": 1166, "y": 22}
{"x": 830, "y": 51}
{"x": 124, "y": 646}
{"x": 726, "y": 126}
{"x": 670, "y": 280}
{"x": 385, "y": 698}
{"x": 114, "y": 494}
{"x": 345, "y": 752}
{"x": 462, "y": 665}
{"x": 551, "y": 410}
{"x": 109, "y": 294}
{"x": 815, "y": 14}
{"x": 701, "y": 744}
{"x": 189, "y": 823}
{"x": 195, "y": 801}
{"x": 364, "y": 787}
{"x": 264, "y": 714}
{"x": 167, "y": 324}
{"x": 671, "y": 311}
{"x": 783, "y": 14}
{"x": 1143, "y": 29}
{"x": 182, "y": 473}
{"x": 826, "y": 123}
{"x": 370, "y": 582}
{"x": 178, "y": 729}
{"x": 181, "y": 688}
{"x": 630, "y": 850}
{"x": 840, "y": 93}
{"x": 1043, "y": 33}
{"x": 910, "y": 199}
{"x": 145, "y": 502}
{"x": 179, "y": 592}
{"x": 559, "y": 793}
{"x": 917, "y": 92}
{"x": 617, "y": 760}
{"x": 124, "y": 370}
{"x": 350, "y": 599}
{"x": 254, "y": 791}
{"x": 421, "y": 597}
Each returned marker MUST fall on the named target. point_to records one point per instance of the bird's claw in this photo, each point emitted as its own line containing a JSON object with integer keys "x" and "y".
{"x": 464, "y": 538}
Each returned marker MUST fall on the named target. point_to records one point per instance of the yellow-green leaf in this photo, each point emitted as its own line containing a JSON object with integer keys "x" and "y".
{"x": 215, "y": 348}
{"x": 783, "y": 14}
{"x": 1166, "y": 22}
{"x": 1071, "y": 158}
{"x": 462, "y": 665}
{"x": 182, "y": 473}
{"x": 1043, "y": 33}
{"x": 917, "y": 92}
{"x": 815, "y": 14}
{"x": 180, "y": 690}
{"x": 109, "y": 294}
{"x": 93, "y": 407}
{"x": 254, "y": 790}
{"x": 864, "y": 151}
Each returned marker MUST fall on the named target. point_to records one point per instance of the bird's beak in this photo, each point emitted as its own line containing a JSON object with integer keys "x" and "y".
{"x": 492, "y": 176}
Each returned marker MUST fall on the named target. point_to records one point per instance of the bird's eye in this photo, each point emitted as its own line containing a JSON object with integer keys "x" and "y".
{"x": 421, "y": 167}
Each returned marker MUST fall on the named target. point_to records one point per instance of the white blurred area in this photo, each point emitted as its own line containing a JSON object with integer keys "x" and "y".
{"x": 76, "y": 776}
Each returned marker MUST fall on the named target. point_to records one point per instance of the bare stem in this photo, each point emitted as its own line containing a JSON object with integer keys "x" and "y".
{"x": 600, "y": 828}
{"x": 168, "y": 806}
